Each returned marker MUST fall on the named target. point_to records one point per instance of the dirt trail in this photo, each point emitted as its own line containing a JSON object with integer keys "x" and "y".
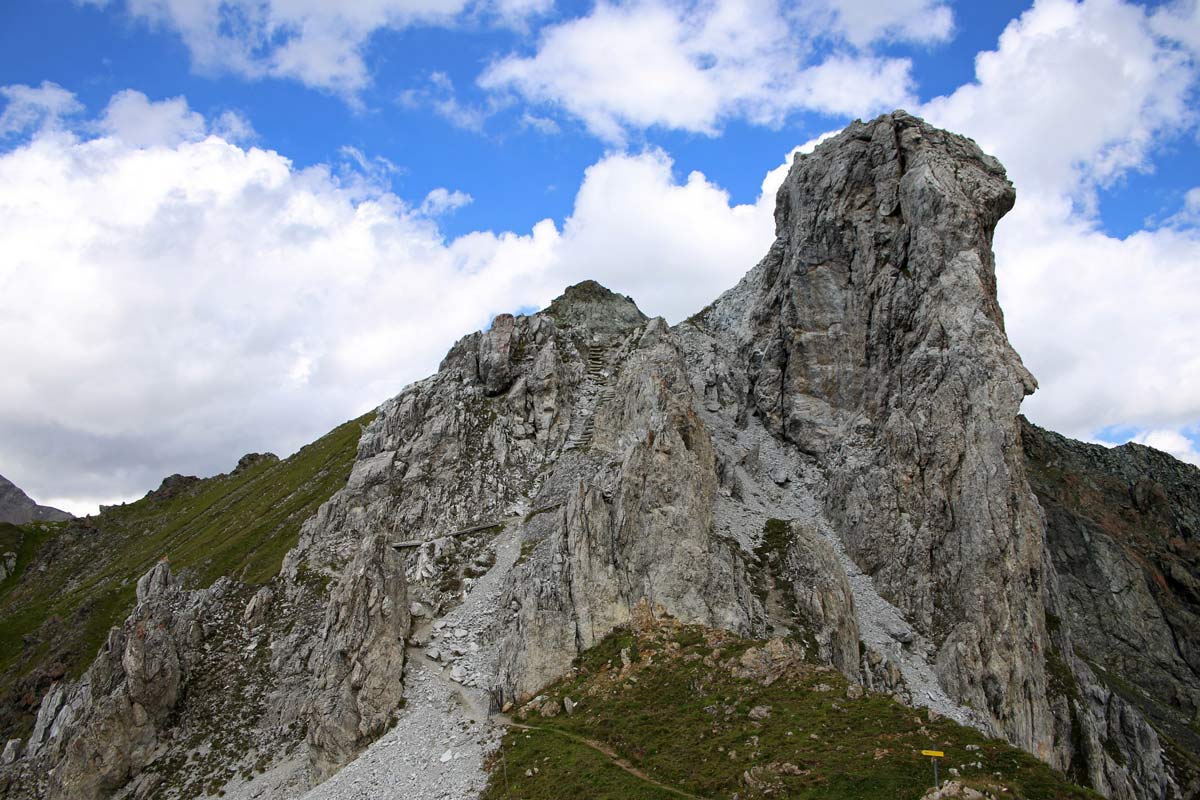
{"x": 603, "y": 750}
{"x": 474, "y": 702}
{"x": 475, "y": 707}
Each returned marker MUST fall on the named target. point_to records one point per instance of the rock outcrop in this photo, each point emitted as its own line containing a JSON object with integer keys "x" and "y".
{"x": 17, "y": 508}
{"x": 828, "y": 456}
{"x": 99, "y": 732}
{"x": 873, "y": 342}
{"x": 357, "y": 688}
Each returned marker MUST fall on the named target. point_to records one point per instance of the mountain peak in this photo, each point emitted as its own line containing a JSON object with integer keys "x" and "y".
{"x": 590, "y": 305}
{"x": 18, "y": 508}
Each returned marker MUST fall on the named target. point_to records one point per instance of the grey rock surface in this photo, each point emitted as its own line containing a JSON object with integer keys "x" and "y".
{"x": 830, "y": 451}
{"x": 1122, "y": 530}
{"x": 102, "y": 730}
{"x": 17, "y": 508}
{"x": 360, "y": 660}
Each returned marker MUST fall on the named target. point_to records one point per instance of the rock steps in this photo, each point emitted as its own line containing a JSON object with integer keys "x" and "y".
{"x": 597, "y": 389}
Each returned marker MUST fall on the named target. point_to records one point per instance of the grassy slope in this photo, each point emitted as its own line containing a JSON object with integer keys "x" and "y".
{"x": 681, "y": 716}
{"x": 75, "y": 580}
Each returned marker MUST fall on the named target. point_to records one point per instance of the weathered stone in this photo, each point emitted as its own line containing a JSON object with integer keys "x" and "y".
{"x": 256, "y": 610}
{"x": 360, "y": 659}
{"x": 102, "y": 730}
{"x": 12, "y": 751}
{"x": 824, "y": 606}
{"x": 1123, "y": 528}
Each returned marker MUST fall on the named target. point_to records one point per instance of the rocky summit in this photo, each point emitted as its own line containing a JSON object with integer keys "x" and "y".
{"x": 17, "y": 508}
{"x": 810, "y": 517}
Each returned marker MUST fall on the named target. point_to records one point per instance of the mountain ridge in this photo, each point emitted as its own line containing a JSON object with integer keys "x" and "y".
{"x": 829, "y": 453}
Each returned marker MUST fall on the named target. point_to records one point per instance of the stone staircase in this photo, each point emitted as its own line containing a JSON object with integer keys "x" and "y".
{"x": 597, "y": 389}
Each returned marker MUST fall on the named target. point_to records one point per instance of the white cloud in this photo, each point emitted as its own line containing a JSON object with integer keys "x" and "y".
{"x": 1180, "y": 22}
{"x": 690, "y": 66}
{"x": 672, "y": 246}
{"x": 1189, "y": 215}
{"x": 30, "y": 107}
{"x": 442, "y": 201}
{"x": 1075, "y": 95}
{"x": 171, "y": 304}
{"x": 320, "y": 44}
{"x": 234, "y": 127}
{"x": 865, "y": 21}
{"x": 544, "y": 125}
{"x": 519, "y": 12}
{"x": 139, "y": 122}
{"x": 1107, "y": 324}
{"x": 438, "y": 94}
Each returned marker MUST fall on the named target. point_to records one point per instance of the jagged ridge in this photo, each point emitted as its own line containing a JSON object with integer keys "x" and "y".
{"x": 831, "y": 451}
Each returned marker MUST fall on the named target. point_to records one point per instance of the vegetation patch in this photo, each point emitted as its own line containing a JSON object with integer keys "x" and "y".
{"x": 707, "y": 714}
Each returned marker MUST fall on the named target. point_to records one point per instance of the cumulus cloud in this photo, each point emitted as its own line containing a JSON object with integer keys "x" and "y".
{"x": 234, "y": 127}
{"x": 174, "y": 300}
{"x": 1118, "y": 88}
{"x": 138, "y": 122}
{"x": 442, "y": 201}
{"x": 1108, "y": 324}
{"x": 691, "y": 66}
{"x": 30, "y": 107}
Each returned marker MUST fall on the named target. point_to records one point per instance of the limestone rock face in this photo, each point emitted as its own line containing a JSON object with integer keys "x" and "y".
{"x": 824, "y": 603}
{"x": 633, "y": 520}
{"x": 360, "y": 660}
{"x": 102, "y": 730}
{"x": 873, "y": 342}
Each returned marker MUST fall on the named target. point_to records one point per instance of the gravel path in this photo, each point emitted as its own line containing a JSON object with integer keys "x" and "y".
{"x": 438, "y": 748}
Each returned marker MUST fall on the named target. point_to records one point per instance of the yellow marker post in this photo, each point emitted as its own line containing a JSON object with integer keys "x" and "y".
{"x": 934, "y": 755}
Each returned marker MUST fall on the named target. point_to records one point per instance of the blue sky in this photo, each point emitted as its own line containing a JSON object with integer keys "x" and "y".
{"x": 255, "y": 218}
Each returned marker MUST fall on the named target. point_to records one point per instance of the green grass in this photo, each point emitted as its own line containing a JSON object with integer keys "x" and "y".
{"x": 557, "y": 758}
{"x": 77, "y": 579}
{"x": 681, "y": 715}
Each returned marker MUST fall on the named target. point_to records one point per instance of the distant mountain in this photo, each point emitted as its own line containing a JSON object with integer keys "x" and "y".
{"x": 17, "y": 508}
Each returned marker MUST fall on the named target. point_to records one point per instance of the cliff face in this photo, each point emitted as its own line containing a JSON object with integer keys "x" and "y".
{"x": 831, "y": 451}
{"x": 1122, "y": 528}
{"x": 873, "y": 343}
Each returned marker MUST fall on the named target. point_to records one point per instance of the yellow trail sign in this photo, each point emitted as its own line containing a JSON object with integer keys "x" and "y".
{"x": 934, "y": 753}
